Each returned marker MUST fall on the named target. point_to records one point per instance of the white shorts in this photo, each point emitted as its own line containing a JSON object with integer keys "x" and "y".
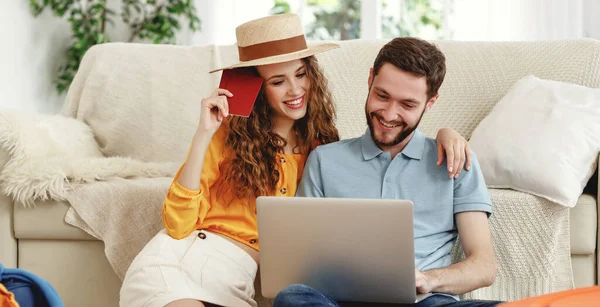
{"x": 211, "y": 270}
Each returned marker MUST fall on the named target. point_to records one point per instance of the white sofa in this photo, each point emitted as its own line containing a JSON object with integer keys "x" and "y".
{"x": 479, "y": 74}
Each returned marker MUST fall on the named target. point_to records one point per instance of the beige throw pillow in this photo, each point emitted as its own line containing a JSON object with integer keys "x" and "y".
{"x": 542, "y": 137}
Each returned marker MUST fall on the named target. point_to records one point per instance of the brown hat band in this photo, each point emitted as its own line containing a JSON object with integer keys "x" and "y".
{"x": 271, "y": 48}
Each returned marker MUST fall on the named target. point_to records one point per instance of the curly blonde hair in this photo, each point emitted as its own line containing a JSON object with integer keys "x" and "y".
{"x": 250, "y": 169}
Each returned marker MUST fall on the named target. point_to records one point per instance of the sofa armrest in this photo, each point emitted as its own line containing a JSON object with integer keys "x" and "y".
{"x": 8, "y": 243}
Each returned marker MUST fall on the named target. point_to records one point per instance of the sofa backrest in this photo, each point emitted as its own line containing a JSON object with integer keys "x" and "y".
{"x": 142, "y": 101}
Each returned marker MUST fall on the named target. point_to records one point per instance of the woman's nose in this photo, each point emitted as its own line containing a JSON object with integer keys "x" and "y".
{"x": 295, "y": 88}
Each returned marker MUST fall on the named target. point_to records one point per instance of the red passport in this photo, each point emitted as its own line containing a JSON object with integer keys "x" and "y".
{"x": 245, "y": 85}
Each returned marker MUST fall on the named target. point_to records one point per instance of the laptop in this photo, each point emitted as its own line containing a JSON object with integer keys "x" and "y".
{"x": 353, "y": 250}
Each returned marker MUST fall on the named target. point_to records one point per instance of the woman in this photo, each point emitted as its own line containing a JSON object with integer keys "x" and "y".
{"x": 208, "y": 252}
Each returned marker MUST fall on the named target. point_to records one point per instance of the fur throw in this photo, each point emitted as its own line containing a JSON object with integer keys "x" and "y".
{"x": 41, "y": 156}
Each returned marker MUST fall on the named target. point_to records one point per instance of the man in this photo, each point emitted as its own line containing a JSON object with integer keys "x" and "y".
{"x": 393, "y": 160}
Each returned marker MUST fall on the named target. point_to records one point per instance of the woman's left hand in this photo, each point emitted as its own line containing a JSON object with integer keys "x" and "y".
{"x": 451, "y": 145}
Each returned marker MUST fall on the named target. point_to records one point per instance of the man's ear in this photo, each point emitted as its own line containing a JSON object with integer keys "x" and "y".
{"x": 431, "y": 102}
{"x": 370, "y": 82}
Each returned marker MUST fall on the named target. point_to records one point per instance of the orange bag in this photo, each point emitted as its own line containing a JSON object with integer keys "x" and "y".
{"x": 588, "y": 297}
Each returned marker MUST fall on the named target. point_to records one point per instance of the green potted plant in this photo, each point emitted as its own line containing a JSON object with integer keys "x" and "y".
{"x": 155, "y": 21}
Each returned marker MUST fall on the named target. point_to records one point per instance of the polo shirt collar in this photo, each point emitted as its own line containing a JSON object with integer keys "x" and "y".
{"x": 414, "y": 148}
{"x": 369, "y": 148}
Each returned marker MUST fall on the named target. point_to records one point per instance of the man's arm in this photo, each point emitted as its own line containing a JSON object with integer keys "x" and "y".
{"x": 311, "y": 184}
{"x": 479, "y": 267}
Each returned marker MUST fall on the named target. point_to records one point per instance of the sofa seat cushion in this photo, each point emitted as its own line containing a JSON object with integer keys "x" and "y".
{"x": 584, "y": 223}
{"x": 46, "y": 221}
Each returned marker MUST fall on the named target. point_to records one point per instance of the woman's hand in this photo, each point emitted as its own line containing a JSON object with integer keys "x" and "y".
{"x": 452, "y": 145}
{"x": 213, "y": 110}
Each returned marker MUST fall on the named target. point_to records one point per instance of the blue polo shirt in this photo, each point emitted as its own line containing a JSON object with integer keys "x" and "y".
{"x": 357, "y": 168}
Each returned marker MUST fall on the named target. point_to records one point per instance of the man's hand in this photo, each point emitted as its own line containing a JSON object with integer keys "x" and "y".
{"x": 477, "y": 270}
{"x": 424, "y": 283}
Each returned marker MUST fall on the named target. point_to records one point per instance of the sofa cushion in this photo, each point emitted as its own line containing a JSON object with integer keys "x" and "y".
{"x": 584, "y": 225}
{"x": 513, "y": 141}
{"x": 46, "y": 221}
{"x": 142, "y": 101}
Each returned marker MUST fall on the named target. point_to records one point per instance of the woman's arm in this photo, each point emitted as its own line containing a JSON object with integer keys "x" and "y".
{"x": 455, "y": 147}
{"x": 186, "y": 200}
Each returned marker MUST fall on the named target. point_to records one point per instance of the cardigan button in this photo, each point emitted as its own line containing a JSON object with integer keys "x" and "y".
{"x": 283, "y": 190}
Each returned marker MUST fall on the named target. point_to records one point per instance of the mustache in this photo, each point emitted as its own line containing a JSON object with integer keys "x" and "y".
{"x": 379, "y": 117}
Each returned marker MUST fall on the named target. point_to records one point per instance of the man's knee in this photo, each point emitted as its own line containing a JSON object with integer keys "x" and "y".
{"x": 297, "y": 295}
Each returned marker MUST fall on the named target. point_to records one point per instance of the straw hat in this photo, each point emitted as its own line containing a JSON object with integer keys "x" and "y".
{"x": 273, "y": 39}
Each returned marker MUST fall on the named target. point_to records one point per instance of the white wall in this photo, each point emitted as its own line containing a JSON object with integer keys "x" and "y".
{"x": 591, "y": 22}
{"x": 36, "y": 48}
{"x": 221, "y": 17}
{"x": 33, "y": 48}
{"x": 517, "y": 20}
{"x": 29, "y": 58}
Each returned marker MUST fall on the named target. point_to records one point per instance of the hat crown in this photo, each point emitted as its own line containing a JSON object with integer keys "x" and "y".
{"x": 266, "y": 29}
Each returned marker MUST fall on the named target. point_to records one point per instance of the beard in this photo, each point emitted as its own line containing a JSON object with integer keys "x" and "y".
{"x": 399, "y": 138}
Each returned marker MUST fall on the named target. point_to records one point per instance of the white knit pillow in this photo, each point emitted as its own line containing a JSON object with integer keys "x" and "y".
{"x": 542, "y": 137}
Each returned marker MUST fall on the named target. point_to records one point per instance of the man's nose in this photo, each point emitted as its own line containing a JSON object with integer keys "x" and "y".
{"x": 390, "y": 114}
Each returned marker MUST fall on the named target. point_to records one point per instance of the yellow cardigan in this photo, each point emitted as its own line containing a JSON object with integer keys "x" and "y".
{"x": 185, "y": 210}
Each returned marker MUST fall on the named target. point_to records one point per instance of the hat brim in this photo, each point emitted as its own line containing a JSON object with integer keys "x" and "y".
{"x": 312, "y": 50}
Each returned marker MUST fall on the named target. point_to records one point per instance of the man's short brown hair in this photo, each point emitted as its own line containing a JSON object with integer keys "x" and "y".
{"x": 415, "y": 56}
